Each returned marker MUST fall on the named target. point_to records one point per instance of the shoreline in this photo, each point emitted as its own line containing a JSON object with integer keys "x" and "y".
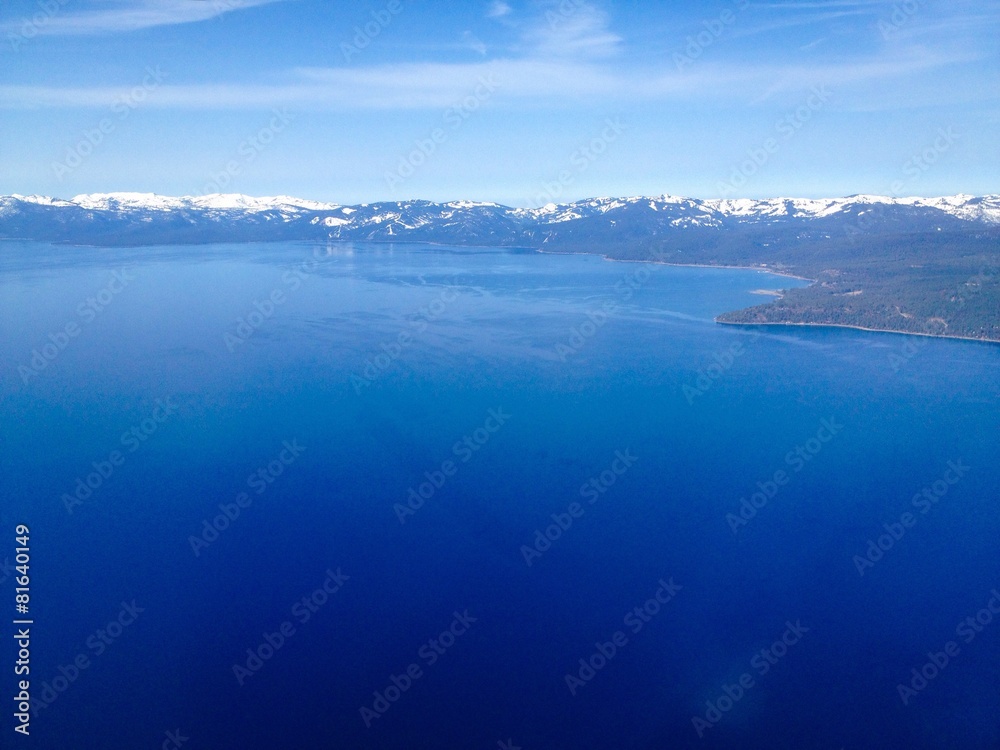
{"x": 762, "y": 269}
{"x": 860, "y": 328}
{"x": 770, "y": 323}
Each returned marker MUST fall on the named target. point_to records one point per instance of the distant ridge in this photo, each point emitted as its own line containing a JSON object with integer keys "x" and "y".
{"x": 140, "y": 218}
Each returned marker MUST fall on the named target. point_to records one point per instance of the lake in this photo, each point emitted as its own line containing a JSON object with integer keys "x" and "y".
{"x": 388, "y": 496}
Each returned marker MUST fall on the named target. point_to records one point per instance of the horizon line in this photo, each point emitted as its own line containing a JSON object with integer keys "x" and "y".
{"x": 138, "y": 194}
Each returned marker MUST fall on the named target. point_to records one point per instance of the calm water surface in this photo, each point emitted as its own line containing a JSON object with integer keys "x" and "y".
{"x": 411, "y": 426}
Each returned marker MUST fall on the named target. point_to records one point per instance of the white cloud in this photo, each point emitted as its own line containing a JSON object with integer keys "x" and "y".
{"x": 473, "y": 42}
{"x": 565, "y": 56}
{"x": 538, "y": 80}
{"x": 499, "y": 9}
{"x": 132, "y": 15}
{"x": 808, "y": 19}
{"x": 572, "y": 30}
{"x": 803, "y": 5}
{"x": 812, "y": 45}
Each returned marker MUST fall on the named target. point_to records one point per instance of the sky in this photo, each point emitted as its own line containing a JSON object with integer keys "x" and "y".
{"x": 523, "y": 102}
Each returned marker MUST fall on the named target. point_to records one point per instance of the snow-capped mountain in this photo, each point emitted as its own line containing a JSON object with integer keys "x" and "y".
{"x": 145, "y": 218}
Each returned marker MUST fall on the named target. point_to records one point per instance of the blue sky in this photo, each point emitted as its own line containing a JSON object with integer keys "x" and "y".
{"x": 521, "y": 101}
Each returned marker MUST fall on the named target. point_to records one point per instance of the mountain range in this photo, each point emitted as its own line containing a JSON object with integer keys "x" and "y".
{"x": 144, "y": 218}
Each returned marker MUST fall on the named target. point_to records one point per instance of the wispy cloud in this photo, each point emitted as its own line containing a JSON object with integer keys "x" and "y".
{"x": 548, "y": 80}
{"x": 963, "y": 27}
{"x": 132, "y": 15}
{"x": 572, "y": 30}
{"x": 471, "y": 41}
{"x": 499, "y": 9}
{"x": 809, "y": 19}
{"x": 794, "y": 6}
{"x": 812, "y": 45}
{"x": 559, "y": 58}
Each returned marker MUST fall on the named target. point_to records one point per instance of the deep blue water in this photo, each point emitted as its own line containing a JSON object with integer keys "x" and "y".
{"x": 376, "y": 414}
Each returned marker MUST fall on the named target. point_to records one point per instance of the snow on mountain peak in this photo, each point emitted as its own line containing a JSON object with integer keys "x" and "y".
{"x": 105, "y": 201}
{"x": 676, "y": 210}
{"x": 472, "y": 204}
{"x": 961, "y": 206}
{"x": 42, "y": 200}
{"x": 224, "y": 201}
